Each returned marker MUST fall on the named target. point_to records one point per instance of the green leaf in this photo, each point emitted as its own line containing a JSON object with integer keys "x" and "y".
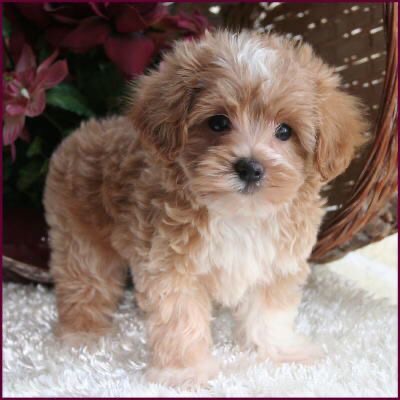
{"x": 35, "y": 147}
{"x": 68, "y": 98}
{"x": 6, "y": 28}
{"x": 45, "y": 167}
{"x": 29, "y": 174}
{"x": 102, "y": 84}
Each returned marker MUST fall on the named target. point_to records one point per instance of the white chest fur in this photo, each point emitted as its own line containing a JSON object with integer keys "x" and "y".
{"x": 240, "y": 252}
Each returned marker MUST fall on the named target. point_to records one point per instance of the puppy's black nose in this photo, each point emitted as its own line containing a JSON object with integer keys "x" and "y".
{"x": 249, "y": 170}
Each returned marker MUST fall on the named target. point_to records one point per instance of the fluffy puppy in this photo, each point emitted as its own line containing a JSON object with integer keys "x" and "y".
{"x": 208, "y": 189}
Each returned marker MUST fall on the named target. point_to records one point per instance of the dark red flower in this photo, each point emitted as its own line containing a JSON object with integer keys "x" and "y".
{"x": 131, "y": 33}
{"x": 117, "y": 26}
{"x": 187, "y": 25}
{"x": 131, "y": 54}
{"x": 90, "y": 32}
{"x": 181, "y": 26}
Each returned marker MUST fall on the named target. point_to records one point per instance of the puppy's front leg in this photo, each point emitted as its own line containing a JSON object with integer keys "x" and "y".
{"x": 266, "y": 321}
{"x": 179, "y": 314}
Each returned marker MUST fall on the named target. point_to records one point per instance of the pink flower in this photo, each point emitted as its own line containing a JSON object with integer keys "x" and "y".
{"x": 24, "y": 92}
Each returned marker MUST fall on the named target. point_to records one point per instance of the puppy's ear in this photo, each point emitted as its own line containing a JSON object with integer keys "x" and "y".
{"x": 341, "y": 125}
{"x": 160, "y": 105}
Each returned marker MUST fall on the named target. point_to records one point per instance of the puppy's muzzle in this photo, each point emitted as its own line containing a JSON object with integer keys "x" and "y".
{"x": 249, "y": 171}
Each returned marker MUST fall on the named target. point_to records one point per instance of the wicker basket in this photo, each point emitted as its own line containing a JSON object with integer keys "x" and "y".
{"x": 360, "y": 39}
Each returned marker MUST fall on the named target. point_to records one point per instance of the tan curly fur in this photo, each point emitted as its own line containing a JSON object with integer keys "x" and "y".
{"x": 156, "y": 190}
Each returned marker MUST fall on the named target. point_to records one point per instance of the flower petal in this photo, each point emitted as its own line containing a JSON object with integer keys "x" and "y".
{"x": 89, "y": 33}
{"x": 151, "y": 12}
{"x": 127, "y": 18}
{"x": 15, "y": 109}
{"x": 37, "y": 103}
{"x": 67, "y": 13}
{"x": 99, "y": 9}
{"x": 56, "y": 34}
{"x": 34, "y": 12}
{"x": 52, "y": 76}
{"x": 48, "y": 61}
{"x": 26, "y": 60}
{"x": 191, "y": 24}
{"x": 135, "y": 17}
{"x": 131, "y": 55}
{"x": 13, "y": 126}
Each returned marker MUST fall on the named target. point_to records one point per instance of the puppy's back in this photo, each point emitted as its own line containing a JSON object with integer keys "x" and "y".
{"x": 82, "y": 167}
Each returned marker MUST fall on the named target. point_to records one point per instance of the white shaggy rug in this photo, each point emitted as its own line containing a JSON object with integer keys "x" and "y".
{"x": 358, "y": 333}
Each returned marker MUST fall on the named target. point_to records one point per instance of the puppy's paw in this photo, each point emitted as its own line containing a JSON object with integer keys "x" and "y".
{"x": 298, "y": 349}
{"x": 186, "y": 378}
{"x": 80, "y": 338}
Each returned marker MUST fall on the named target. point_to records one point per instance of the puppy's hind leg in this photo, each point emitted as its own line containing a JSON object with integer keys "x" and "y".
{"x": 89, "y": 278}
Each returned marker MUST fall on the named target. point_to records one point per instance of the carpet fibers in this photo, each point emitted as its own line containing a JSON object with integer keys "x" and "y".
{"x": 358, "y": 333}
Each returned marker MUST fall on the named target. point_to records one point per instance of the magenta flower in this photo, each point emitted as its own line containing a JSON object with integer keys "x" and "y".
{"x": 24, "y": 92}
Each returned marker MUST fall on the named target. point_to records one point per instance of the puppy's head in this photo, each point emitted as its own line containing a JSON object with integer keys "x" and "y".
{"x": 250, "y": 118}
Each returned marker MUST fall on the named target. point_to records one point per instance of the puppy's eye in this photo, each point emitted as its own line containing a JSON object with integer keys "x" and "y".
{"x": 283, "y": 132}
{"x": 219, "y": 123}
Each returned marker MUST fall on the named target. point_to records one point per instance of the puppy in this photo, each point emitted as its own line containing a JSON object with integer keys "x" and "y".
{"x": 208, "y": 189}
